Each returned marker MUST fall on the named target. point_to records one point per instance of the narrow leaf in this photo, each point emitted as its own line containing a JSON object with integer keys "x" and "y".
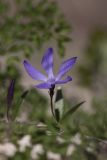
{"x": 57, "y": 115}
{"x": 19, "y": 103}
{"x": 59, "y": 104}
{"x": 72, "y": 110}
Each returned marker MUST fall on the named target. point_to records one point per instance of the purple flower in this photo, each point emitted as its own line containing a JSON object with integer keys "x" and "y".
{"x": 10, "y": 93}
{"x": 10, "y": 96}
{"x": 47, "y": 64}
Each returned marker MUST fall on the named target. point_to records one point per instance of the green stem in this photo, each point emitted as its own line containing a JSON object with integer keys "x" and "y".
{"x": 52, "y": 108}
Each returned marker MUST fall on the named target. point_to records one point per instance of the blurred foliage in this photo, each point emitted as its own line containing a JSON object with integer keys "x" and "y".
{"x": 90, "y": 128}
{"x": 26, "y": 25}
{"x": 92, "y": 71}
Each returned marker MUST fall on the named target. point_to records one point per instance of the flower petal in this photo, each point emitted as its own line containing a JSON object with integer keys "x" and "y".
{"x": 64, "y": 81}
{"x": 34, "y": 73}
{"x": 65, "y": 67}
{"x": 43, "y": 86}
{"x": 47, "y": 62}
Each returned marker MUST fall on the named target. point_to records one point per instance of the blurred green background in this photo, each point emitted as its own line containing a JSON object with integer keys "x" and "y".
{"x": 72, "y": 28}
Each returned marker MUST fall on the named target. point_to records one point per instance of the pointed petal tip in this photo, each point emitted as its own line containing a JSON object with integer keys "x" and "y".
{"x": 72, "y": 60}
{"x": 25, "y": 62}
{"x": 50, "y": 49}
{"x": 69, "y": 78}
{"x": 75, "y": 59}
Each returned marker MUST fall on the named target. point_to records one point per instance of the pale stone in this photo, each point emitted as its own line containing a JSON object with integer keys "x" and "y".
{"x": 24, "y": 142}
{"x": 36, "y": 151}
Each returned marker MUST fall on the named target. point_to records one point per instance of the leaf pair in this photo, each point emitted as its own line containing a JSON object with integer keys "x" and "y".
{"x": 59, "y": 107}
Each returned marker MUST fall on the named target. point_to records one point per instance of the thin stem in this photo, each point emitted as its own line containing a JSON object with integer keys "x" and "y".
{"x": 52, "y": 108}
{"x": 7, "y": 114}
{"x": 51, "y": 93}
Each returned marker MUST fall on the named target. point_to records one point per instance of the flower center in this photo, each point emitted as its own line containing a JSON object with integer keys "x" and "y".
{"x": 52, "y": 81}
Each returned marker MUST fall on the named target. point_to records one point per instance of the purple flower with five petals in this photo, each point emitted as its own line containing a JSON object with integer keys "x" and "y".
{"x": 47, "y": 64}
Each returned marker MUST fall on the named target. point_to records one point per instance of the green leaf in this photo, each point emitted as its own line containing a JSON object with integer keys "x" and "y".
{"x": 59, "y": 105}
{"x": 19, "y": 103}
{"x": 71, "y": 111}
{"x": 57, "y": 115}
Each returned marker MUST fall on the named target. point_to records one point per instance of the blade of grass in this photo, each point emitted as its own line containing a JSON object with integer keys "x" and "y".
{"x": 72, "y": 110}
{"x": 19, "y": 103}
